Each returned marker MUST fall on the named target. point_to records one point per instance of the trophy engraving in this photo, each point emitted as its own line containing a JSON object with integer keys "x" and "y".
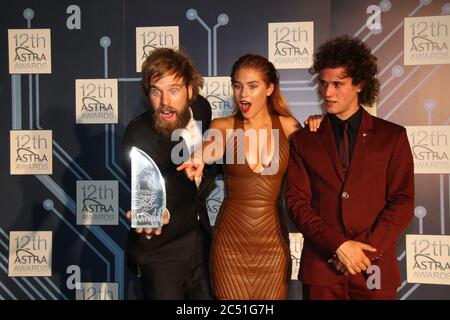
{"x": 148, "y": 192}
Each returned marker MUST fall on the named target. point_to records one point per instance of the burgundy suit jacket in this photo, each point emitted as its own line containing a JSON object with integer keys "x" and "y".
{"x": 374, "y": 204}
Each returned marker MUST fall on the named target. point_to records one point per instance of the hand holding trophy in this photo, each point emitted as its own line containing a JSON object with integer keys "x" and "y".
{"x": 148, "y": 195}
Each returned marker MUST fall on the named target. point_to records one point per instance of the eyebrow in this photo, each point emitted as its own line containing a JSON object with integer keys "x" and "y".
{"x": 339, "y": 80}
{"x": 249, "y": 82}
{"x": 175, "y": 85}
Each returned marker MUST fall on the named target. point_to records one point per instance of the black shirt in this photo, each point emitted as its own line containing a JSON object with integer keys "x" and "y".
{"x": 353, "y": 126}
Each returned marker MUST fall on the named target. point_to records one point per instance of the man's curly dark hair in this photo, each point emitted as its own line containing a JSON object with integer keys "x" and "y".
{"x": 357, "y": 60}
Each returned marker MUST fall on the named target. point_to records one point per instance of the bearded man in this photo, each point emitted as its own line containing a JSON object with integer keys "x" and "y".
{"x": 173, "y": 260}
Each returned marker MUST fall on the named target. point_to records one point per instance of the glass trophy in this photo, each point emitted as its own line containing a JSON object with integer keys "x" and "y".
{"x": 148, "y": 191}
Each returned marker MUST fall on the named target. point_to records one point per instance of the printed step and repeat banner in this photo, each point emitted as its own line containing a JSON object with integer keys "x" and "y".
{"x": 71, "y": 76}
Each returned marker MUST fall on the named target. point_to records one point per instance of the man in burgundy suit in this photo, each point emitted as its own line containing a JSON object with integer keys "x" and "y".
{"x": 350, "y": 184}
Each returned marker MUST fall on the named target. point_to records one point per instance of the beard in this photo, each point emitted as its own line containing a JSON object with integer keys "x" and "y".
{"x": 165, "y": 128}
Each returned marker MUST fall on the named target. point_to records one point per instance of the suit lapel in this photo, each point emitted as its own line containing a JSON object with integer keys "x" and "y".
{"x": 363, "y": 139}
{"x": 326, "y": 136}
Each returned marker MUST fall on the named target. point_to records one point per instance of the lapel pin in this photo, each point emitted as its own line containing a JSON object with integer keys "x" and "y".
{"x": 364, "y": 137}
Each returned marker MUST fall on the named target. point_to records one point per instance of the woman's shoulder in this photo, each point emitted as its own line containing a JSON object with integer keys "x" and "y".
{"x": 223, "y": 123}
{"x": 290, "y": 124}
{"x": 288, "y": 120}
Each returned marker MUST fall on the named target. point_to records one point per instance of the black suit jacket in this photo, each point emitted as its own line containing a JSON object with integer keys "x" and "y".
{"x": 186, "y": 204}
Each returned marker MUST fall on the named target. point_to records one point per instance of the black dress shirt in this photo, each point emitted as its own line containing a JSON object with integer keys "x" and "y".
{"x": 353, "y": 126}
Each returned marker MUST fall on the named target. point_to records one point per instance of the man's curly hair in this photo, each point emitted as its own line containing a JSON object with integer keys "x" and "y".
{"x": 357, "y": 60}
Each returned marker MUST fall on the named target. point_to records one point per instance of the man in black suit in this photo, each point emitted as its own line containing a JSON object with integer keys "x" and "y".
{"x": 173, "y": 260}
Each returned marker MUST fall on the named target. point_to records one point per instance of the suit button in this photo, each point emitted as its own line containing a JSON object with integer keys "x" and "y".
{"x": 345, "y": 195}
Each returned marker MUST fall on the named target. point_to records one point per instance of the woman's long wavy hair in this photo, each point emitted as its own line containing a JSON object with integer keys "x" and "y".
{"x": 276, "y": 101}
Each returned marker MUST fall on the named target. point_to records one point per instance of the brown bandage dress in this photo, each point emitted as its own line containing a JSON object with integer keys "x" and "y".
{"x": 250, "y": 256}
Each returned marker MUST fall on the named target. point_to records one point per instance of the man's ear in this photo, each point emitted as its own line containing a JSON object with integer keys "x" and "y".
{"x": 190, "y": 91}
{"x": 360, "y": 87}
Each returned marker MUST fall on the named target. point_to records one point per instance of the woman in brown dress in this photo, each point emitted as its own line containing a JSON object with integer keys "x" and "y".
{"x": 250, "y": 254}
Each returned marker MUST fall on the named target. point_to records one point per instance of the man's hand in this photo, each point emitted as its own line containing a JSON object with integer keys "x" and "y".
{"x": 193, "y": 171}
{"x": 313, "y": 122}
{"x": 339, "y": 266}
{"x": 150, "y": 231}
{"x": 351, "y": 254}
